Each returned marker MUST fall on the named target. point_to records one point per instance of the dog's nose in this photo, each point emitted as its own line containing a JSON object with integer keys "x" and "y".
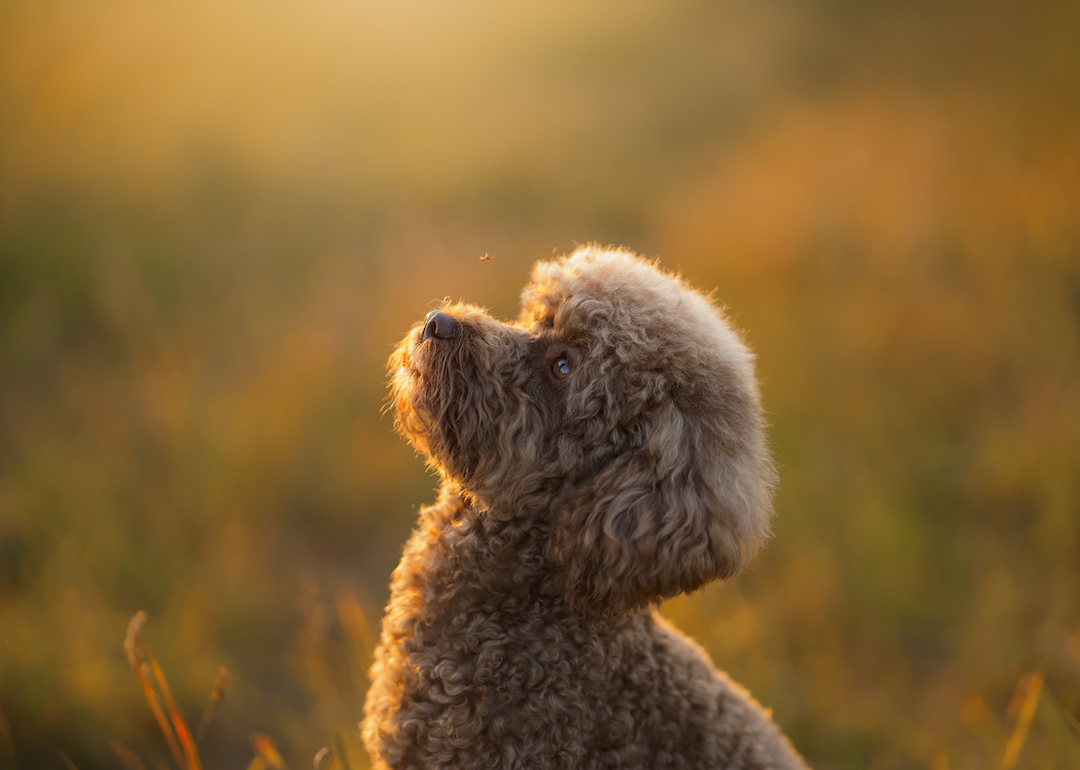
{"x": 440, "y": 326}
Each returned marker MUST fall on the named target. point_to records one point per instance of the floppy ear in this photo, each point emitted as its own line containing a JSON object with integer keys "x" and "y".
{"x": 689, "y": 505}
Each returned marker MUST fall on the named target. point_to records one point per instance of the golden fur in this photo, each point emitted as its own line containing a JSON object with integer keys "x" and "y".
{"x": 604, "y": 452}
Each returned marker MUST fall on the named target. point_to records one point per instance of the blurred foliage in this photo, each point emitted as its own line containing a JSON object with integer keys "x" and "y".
{"x": 216, "y": 220}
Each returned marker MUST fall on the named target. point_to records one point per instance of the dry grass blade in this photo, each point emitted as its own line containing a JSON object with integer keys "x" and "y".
{"x": 66, "y": 760}
{"x": 133, "y": 646}
{"x": 266, "y": 749}
{"x": 355, "y": 624}
{"x": 322, "y": 756}
{"x": 341, "y": 753}
{"x": 257, "y": 764}
{"x": 7, "y": 745}
{"x": 215, "y": 698}
{"x": 1072, "y": 720}
{"x": 128, "y": 758}
{"x": 191, "y": 753}
{"x": 1026, "y": 700}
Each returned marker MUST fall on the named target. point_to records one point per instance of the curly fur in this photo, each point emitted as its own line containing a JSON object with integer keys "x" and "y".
{"x": 521, "y": 630}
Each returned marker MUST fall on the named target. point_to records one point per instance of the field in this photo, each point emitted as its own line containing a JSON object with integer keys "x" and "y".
{"x": 216, "y": 220}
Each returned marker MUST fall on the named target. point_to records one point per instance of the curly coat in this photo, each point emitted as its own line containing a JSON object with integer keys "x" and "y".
{"x": 604, "y": 452}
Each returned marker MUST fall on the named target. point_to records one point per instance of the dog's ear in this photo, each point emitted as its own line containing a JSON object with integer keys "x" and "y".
{"x": 689, "y": 504}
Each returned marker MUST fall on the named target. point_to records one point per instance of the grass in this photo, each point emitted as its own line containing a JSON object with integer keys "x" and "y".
{"x": 215, "y": 224}
{"x": 183, "y": 746}
{"x": 1018, "y": 718}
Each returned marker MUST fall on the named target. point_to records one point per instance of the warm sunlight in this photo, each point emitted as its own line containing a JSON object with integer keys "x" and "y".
{"x": 216, "y": 221}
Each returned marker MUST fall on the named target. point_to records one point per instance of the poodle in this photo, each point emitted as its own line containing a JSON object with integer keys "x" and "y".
{"x": 602, "y": 453}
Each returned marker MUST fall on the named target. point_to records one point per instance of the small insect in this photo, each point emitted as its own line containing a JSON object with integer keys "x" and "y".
{"x": 485, "y": 258}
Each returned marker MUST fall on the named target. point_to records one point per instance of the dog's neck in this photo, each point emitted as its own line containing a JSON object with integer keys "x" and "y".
{"x": 466, "y": 557}
{"x": 499, "y": 537}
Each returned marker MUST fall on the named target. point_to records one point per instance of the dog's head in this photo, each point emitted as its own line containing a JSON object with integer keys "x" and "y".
{"x": 621, "y": 410}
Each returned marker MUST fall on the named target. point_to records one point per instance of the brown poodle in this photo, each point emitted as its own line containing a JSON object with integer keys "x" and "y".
{"x": 603, "y": 453}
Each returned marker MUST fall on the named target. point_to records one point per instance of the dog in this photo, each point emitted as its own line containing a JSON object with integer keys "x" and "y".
{"x": 602, "y": 453}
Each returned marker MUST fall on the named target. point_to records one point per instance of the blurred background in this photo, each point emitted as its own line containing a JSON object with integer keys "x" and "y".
{"x": 216, "y": 220}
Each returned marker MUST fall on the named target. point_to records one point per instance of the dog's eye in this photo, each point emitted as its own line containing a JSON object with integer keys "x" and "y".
{"x": 561, "y": 368}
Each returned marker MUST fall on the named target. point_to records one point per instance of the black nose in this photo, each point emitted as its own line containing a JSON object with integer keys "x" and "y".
{"x": 440, "y": 326}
